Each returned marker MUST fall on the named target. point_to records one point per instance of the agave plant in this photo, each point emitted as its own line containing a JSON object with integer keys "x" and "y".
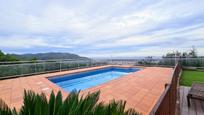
{"x": 5, "y": 110}
{"x": 35, "y": 104}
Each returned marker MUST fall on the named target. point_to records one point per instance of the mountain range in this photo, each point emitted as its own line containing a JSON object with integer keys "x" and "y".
{"x": 48, "y": 56}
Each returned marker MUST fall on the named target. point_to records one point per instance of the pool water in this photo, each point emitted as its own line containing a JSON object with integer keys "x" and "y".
{"x": 84, "y": 80}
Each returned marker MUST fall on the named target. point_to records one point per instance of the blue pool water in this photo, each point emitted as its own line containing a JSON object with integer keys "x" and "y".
{"x": 84, "y": 80}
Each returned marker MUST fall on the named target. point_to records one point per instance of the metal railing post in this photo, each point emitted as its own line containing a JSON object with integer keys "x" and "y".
{"x": 21, "y": 69}
{"x": 60, "y": 65}
{"x": 44, "y": 66}
{"x": 78, "y": 65}
{"x": 68, "y": 65}
{"x": 35, "y": 67}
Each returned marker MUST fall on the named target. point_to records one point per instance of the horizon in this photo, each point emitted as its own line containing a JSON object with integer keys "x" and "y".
{"x": 116, "y": 28}
{"x": 104, "y": 57}
{"x": 107, "y": 57}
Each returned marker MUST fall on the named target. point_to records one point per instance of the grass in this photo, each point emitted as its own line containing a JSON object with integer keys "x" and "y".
{"x": 189, "y": 76}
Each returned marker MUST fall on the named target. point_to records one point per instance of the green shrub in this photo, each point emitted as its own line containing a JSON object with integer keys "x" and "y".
{"x": 35, "y": 104}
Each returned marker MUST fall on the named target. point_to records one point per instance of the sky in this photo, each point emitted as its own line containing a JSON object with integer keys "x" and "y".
{"x": 102, "y": 28}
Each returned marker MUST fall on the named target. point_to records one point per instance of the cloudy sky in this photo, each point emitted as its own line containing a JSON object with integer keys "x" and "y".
{"x": 101, "y": 28}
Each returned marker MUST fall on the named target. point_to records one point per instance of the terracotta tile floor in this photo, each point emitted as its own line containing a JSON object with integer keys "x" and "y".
{"x": 140, "y": 89}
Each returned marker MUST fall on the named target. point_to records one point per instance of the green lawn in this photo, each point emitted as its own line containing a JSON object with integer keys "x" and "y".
{"x": 188, "y": 77}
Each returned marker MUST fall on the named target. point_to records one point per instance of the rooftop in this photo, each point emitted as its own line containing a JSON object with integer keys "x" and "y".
{"x": 140, "y": 89}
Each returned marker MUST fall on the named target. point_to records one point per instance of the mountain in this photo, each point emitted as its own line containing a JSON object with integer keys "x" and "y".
{"x": 47, "y": 56}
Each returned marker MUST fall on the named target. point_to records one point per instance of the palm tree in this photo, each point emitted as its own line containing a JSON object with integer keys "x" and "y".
{"x": 38, "y": 104}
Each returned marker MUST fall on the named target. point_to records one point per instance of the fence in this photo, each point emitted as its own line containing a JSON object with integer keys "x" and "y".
{"x": 186, "y": 62}
{"x": 22, "y": 68}
{"x": 166, "y": 105}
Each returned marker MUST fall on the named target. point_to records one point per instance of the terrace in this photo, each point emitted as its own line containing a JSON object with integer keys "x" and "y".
{"x": 149, "y": 91}
{"x": 187, "y": 79}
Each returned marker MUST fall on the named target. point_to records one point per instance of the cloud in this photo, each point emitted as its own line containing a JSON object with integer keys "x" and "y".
{"x": 20, "y": 42}
{"x": 26, "y": 42}
{"x": 98, "y": 28}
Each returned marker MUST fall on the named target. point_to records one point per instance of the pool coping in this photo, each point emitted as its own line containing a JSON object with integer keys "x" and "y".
{"x": 113, "y": 66}
{"x": 92, "y": 68}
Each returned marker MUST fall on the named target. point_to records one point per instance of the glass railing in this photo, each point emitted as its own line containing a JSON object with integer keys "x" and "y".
{"x": 185, "y": 62}
{"x": 23, "y": 68}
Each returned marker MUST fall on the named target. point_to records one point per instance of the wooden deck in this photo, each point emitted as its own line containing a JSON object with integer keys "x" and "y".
{"x": 196, "y": 108}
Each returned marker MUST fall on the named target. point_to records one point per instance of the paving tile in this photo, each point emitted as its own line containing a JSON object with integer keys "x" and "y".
{"x": 140, "y": 89}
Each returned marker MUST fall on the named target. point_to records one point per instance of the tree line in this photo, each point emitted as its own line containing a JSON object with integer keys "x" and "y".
{"x": 7, "y": 57}
{"x": 192, "y": 53}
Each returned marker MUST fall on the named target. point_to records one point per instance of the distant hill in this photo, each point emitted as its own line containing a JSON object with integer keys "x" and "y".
{"x": 47, "y": 56}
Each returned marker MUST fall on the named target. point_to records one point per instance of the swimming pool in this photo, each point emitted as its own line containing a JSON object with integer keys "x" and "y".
{"x": 84, "y": 80}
